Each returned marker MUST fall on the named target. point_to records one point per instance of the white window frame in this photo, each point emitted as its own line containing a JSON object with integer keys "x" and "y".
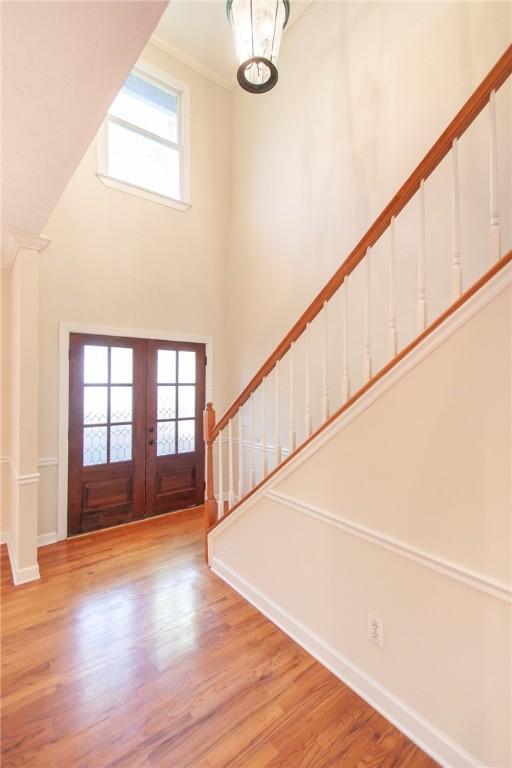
{"x": 163, "y": 80}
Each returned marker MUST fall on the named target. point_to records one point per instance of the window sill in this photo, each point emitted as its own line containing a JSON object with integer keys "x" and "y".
{"x": 132, "y": 189}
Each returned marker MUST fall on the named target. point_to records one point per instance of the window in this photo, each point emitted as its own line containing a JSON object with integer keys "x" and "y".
{"x": 108, "y": 404}
{"x": 143, "y": 143}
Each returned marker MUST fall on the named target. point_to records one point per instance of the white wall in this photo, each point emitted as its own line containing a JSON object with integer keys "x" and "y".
{"x": 300, "y": 155}
{"x": 404, "y": 514}
{"x": 364, "y": 91}
{"x": 117, "y": 260}
{"x": 62, "y": 64}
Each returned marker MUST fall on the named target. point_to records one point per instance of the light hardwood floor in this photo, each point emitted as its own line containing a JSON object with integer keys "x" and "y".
{"x": 129, "y": 652}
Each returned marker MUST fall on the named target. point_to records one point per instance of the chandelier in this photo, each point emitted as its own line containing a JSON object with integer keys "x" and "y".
{"x": 258, "y": 27}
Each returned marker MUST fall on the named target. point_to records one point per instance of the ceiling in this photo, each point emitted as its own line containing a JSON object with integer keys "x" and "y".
{"x": 55, "y": 93}
{"x": 198, "y": 33}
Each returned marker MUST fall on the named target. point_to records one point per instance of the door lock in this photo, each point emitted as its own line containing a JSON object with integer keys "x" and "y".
{"x": 151, "y": 442}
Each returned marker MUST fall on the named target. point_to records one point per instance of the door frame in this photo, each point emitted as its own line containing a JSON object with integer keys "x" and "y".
{"x": 65, "y": 329}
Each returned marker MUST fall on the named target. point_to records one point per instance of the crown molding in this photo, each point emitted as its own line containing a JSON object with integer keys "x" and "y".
{"x": 297, "y": 14}
{"x": 192, "y": 62}
{"x": 227, "y": 83}
{"x": 19, "y": 240}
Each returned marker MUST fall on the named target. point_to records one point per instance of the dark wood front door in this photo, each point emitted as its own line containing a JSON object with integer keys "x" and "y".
{"x": 175, "y": 450}
{"x": 135, "y": 414}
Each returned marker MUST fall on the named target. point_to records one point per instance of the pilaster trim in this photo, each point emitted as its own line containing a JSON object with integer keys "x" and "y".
{"x": 20, "y": 575}
{"x": 52, "y": 461}
{"x": 19, "y": 240}
{"x": 28, "y": 479}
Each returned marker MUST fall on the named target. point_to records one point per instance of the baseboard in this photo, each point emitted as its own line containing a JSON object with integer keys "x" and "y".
{"x": 3, "y": 537}
{"x": 432, "y": 741}
{"x": 20, "y": 575}
{"x": 47, "y": 538}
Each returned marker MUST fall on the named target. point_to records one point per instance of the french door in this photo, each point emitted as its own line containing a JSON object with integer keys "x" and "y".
{"x": 135, "y": 429}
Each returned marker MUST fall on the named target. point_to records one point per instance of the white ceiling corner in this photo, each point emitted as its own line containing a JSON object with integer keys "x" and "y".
{"x": 191, "y": 61}
{"x": 197, "y": 33}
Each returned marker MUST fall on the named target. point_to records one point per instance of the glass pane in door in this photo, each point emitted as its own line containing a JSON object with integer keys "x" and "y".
{"x": 166, "y": 406}
{"x": 166, "y": 438}
{"x": 187, "y": 367}
{"x": 95, "y": 364}
{"x": 186, "y": 436}
{"x": 95, "y": 405}
{"x": 166, "y": 366}
{"x": 121, "y": 365}
{"x": 186, "y": 401}
{"x": 95, "y": 446}
{"x": 121, "y": 443}
{"x": 120, "y": 404}
{"x": 107, "y": 404}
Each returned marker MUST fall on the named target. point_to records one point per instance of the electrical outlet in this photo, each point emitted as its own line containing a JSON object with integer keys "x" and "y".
{"x": 376, "y": 631}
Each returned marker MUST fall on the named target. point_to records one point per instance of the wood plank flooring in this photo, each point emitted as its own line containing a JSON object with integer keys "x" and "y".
{"x": 130, "y": 653}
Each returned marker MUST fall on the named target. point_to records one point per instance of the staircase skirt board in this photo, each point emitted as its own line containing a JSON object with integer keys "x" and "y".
{"x": 472, "y": 301}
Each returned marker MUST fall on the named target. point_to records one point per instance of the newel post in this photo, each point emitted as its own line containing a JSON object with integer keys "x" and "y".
{"x": 210, "y": 505}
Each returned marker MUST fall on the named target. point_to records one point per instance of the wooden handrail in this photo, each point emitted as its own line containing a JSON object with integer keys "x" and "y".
{"x": 492, "y": 272}
{"x": 471, "y": 109}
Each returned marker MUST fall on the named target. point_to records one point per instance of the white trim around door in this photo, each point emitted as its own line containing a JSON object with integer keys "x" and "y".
{"x": 65, "y": 329}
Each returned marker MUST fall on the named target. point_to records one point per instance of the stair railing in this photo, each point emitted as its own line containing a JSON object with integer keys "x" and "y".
{"x": 239, "y": 473}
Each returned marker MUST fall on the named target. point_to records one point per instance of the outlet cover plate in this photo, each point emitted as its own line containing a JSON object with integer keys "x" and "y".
{"x": 376, "y": 631}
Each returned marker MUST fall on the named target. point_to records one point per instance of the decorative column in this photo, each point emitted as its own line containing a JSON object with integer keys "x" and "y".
{"x": 21, "y": 335}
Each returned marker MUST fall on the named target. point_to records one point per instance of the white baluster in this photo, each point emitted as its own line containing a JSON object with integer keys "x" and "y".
{"x": 494, "y": 219}
{"x": 277, "y": 416}
{"x": 308, "y": 420}
{"x": 240, "y": 455}
{"x": 231, "y": 488}
{"x": 251, "y": 441}
{"x": 220, "y": 500}
{"x": 291, "y": 400}
{"x": 422, "y": 299}
{"x": 264, "y": 463}
{"x": 325, "y": 365}
{"x": 393, "y": 324}
{"x": 367, "y": 354}
{"x": 344, "y": 312}
{"x": 456, "y": 255}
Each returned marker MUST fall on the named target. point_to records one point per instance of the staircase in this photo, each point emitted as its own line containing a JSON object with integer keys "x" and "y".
{"x": 269, "y": 402}
{"x": 362, "y": 478}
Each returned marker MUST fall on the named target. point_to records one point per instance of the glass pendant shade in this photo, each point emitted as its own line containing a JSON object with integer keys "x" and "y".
{"x": 258, "y": 27}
